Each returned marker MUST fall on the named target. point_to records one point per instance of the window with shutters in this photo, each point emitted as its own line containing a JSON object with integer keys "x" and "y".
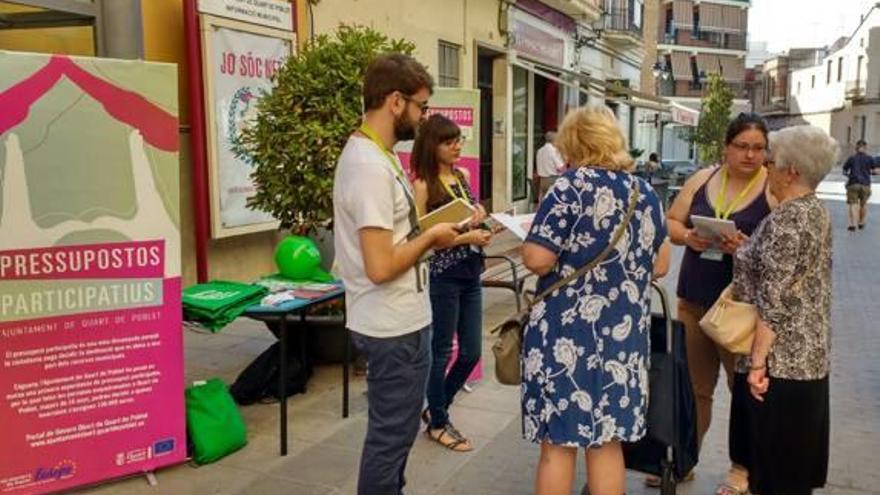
{"x": 449, "y": 65}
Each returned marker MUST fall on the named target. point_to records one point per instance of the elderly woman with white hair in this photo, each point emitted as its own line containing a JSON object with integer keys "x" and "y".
{"x": 779, "y": 424}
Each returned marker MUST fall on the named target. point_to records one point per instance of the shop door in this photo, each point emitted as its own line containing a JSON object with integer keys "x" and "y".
{"x": 485, "y": 84}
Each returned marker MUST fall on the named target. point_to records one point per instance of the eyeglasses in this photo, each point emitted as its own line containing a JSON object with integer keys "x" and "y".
{"x": 746, "y": 147}
{"x": 422, "y": 105}
{"x": 457, "y": 140}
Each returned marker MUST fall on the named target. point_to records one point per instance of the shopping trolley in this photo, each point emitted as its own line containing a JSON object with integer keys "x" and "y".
{"x": 669, "y": 449}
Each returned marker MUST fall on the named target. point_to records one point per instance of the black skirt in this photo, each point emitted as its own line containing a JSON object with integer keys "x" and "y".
{"x": 783, "y": 441}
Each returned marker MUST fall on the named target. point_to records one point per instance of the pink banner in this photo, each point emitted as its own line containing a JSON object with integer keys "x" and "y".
{"x": 117, "y": 260}
{"x": 91, "y": 350}
{"x": 462, "y": 116}
{"x": 84, "y": 398}
{"x": 471, "y": 164}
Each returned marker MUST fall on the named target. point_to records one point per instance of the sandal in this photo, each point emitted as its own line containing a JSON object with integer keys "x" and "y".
{"x": 652, "y": 481}
{"x": 450, "y": 438}
{"x": 726, "y": 488}
{"x": 426, "y": 417}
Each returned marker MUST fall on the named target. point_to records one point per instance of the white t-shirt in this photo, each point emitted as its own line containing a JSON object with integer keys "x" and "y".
{"x": 549, "y": 162}
{"x": 366, "y": 193}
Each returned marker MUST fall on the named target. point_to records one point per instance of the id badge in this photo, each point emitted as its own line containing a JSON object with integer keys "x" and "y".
{"x": 712, "y": 255}
{"x": 423, "y": 275}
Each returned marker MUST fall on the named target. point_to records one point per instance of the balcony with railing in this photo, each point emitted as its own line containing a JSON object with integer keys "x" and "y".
{"x": 855, "y": 90}
{"x": 586, "y": 10}
{"x": 621, "y": 26}
{"x": 704, "y": 39}
{"x": 696, "y": 89}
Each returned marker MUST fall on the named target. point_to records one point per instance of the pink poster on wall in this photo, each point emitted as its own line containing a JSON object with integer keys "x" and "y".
{"x": 461, "y": 106}
{"x": 91, "y": 351}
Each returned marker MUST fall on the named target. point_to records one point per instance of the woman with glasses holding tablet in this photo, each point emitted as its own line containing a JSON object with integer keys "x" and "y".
{"x": 735, "y": 190}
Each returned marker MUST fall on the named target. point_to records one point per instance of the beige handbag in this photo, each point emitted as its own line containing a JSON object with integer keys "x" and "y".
{"x": 730, "y": 323}
{"x": 508, "y": 345}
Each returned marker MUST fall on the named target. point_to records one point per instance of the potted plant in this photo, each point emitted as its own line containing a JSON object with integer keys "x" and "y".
{"x": 297, "y": 135}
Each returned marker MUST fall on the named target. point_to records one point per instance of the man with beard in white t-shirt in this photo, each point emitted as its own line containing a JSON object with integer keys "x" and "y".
{"x": 378, "y": 250}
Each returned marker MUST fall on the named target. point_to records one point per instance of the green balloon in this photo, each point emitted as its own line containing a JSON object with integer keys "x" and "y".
{"x": 297, "y": 258}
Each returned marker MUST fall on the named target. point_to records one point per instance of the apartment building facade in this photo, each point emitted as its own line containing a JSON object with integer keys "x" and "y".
{"x": 697, "y": 39}
{"x": 770, "y": 91}
{"x": 841, "y": 91}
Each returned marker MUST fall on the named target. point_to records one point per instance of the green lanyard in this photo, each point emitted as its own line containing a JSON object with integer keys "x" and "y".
{"x": 723, "y": 212}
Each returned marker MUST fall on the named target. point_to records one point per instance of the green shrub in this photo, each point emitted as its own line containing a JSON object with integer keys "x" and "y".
{"x": 302, "y": 125}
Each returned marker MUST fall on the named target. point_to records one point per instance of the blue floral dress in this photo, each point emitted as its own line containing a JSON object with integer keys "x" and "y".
{"x": 586, "y": 350}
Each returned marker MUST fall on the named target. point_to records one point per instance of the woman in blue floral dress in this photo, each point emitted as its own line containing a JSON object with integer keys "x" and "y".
{"x": 586, "y": 349}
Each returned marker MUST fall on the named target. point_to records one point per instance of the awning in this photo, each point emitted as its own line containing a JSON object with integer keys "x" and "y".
{"x": 683, "y": 13}
{"x": 596, "y": 87}
{"x": 681, "y": 67}
{"x": 733, "y": 19}
{"x": 684, "y": 115}
{"x": 711, "y": 17}
{"x": 708, "y": 64}
{"x": 734, "y": 68}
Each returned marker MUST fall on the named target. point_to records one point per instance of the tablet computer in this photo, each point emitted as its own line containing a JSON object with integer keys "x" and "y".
{"x": 712, "y": 228}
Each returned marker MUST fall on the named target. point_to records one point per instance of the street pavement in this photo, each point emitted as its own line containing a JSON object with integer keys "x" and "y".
{"x": 324, "y": 448}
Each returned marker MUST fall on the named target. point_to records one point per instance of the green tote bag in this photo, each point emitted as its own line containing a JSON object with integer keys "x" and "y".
{"x": 215, "y": 426}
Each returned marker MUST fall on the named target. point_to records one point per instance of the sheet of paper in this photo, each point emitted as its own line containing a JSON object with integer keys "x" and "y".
{"x": 519, "y": 225}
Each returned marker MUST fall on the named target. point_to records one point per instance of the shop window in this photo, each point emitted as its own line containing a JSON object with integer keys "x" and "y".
{"x": 521, "y": 148}
{"x": 449, "y": 65}
{"x": 859, "y": 63}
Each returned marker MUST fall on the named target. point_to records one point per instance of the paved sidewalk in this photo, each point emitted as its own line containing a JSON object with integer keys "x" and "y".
{"x": 325, "y": 448}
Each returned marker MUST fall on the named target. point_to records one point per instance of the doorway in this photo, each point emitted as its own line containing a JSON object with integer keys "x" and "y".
{"x": 485, "y": 84}
{"x": 538, "y": 103}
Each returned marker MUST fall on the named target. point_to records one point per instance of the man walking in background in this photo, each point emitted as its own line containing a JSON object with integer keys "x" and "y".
{"x": 858, "y": 169}
{"x": 378, "y": 251}
{"x": 548, "y": 165}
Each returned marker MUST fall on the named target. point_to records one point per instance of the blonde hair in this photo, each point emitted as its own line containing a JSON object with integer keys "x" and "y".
{"x": 589, "y": 136}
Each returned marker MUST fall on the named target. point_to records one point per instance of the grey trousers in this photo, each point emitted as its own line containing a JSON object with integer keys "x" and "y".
{"x": 397, "y": 373}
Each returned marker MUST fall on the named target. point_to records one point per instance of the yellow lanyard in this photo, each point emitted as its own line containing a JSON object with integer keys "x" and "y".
{"x": 460, "y": 188}
{"x": 401, "y": 177}
{"x": 395, "y": 166}
{"x": 720, "y": 210}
